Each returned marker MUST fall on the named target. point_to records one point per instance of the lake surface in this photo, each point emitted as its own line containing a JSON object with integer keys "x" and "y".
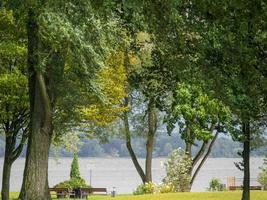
{"x": 121, "y": 174}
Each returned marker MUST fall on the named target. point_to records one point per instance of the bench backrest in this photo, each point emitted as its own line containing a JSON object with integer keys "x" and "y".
{"x": 241, "y": 187}
{"x": 58, "y": 189}
{"x": 99, "y": 189}
{"x": 92, "y": 190}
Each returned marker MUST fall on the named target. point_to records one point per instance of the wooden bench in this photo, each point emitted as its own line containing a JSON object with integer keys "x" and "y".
{"x": 102, "y": 191}
{"x": 61, "y": 192}
{"x": 77, "y": 193}
{"x": 233, "y": 188}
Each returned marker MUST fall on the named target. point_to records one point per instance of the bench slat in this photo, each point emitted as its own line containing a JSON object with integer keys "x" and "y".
{"x": 241, "y": 187}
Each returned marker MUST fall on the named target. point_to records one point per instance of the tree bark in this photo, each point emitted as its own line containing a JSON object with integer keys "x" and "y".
{"x": 6, "y": 180}
{"x": 35, "y": 178}
{"x": 7, "y": 169}
{"x": 152, "y": 125}
{"x": 246, "y": 160}
{"x": 35, "y": 184}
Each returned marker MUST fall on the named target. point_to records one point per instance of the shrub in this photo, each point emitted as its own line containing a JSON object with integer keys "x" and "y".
{"x": 147, "y": 188}
{"x": 166, "y": 188}
{"x": 178, "y": 171}
{"x": 72, "y": 183}
{"x": 262, "y": 177}
{"x": 215, "y": 185}
{"x": 75, "y": 180}
{"x": 75, "y": 172}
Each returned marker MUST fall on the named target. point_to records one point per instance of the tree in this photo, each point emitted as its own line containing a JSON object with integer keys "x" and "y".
{"x": 14, "y": 106}
{"x": 234, "y": 51}
{"x": 227, "y": 44}
{"x": 74, "y": 172}
{"x": 64, "y": 47}
{"x": 200, "y": 118}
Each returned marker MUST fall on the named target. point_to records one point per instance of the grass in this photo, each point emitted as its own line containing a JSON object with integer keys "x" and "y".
{"x": 255, "y": 195}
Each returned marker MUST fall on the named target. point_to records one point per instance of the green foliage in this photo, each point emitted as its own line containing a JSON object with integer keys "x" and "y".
{"x": 147, "y": 188}
{"x": 178, "y": 171}
{"x": 13, "y": 95}
{"x": 75, "y": 180}
{"x": 75, "y": 172}
{"x": 72, "y": 183}
{"x": 194, "y": 109}
{"x": 262, "y": 177}
{"x": 215, "y": 185}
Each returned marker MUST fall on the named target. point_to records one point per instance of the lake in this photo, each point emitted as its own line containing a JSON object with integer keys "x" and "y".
{"x": 121, "y": 174}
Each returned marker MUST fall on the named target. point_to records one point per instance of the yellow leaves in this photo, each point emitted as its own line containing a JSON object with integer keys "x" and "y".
{"x": 66, "y": 67}
{"x": 102, "y": 116}
{"x": 111, "y": 81}
{"x": 134, "y": 60}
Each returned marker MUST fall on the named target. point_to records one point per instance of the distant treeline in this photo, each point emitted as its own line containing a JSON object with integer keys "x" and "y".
{"x": 224, "y": 147}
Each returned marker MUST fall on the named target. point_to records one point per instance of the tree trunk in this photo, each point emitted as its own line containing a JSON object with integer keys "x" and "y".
{"x": 12, "y": 152}
{"x": 35, "y": 184}
{"x": 129, "y": 145}
{"x": 188, "y": 150}
{"x": 7, "y": 169}
{"x": 6, "y": 180}
{"x": 35, "y": 178}
{"x": 204, "y": 159}
{"x": 246, "y": 160}
{"x": 152, "y": 125}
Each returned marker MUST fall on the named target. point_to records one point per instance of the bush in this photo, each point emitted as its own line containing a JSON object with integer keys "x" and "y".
{"x": 147, "y": 188}
{"x": 72, "y": 184}
{"x": 178, "y": 171}
{"x": 166, "y": 188}
{"x": 75, "y": 180}
{"x": 262, "y": 177}
{"x": 215, "y": 185}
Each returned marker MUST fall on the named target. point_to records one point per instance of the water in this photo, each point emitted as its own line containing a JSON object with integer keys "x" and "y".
{"x": 121, "y": 174}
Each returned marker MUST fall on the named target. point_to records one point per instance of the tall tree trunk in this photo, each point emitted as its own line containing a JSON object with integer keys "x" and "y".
{"x": 129, "y": 144}
{"x": 246, "y": 160}
{"x": 7, "y": 169}
{"x": 35, "y": 182}
{"x": 6, "y": 180}
{"x": 152, "y": 125}
{"x": 125, "y": 119}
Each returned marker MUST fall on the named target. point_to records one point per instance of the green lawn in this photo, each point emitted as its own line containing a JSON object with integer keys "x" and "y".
{"x": 257, "y": 195}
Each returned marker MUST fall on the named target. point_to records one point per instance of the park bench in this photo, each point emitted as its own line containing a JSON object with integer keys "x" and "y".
{"x": 233, "y": 188}
{"x": 61, "y": 192}
{"x": 85, "y": 192}
{"x": 102, "y": 191}
{"x": 76, "y": 193}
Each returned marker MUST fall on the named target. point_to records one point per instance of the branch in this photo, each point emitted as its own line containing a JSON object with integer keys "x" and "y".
{"x": 203, "y": 147}
{"x": 204, "y": 158}
{"x": 129, "y": 144}
{"x": 16, "y": 153}
{"x": 200, "y": 153}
